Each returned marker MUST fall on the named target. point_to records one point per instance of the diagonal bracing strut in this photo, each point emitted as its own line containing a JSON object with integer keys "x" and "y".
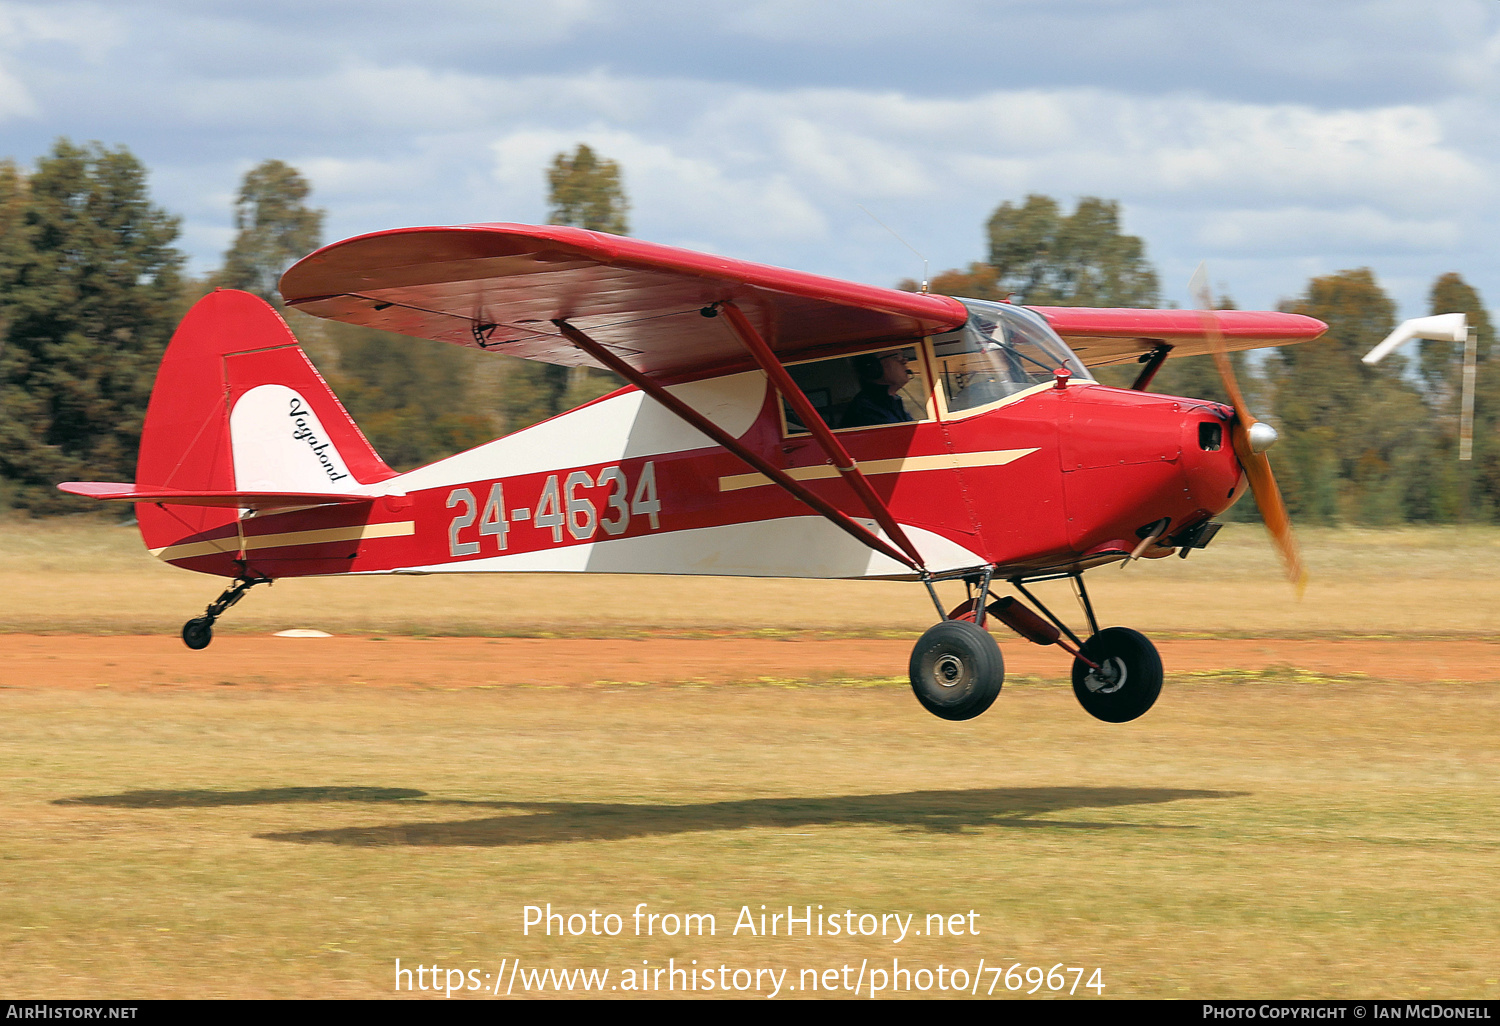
{"x": 732, "y": 444}
{"x": 842, "y": 461}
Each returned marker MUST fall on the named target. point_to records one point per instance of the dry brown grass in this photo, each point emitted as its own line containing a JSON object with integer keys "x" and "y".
{"x": 1256, "y": 835}
{"x": 83, "y": 575}
{"x": 1281, "y": 839}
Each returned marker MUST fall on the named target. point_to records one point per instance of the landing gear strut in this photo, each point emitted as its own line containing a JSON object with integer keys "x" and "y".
{"x": 957, "y": 670}
{"x": 199, "y": 631}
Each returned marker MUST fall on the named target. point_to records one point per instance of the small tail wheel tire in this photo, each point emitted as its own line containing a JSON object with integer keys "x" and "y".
{"x": 198, "y": 632}
{"x": 956, "y": 670}
{"x": 1127, "y": 681}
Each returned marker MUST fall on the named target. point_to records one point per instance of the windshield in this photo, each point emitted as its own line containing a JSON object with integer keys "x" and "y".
{"x": 1003, "y": 349}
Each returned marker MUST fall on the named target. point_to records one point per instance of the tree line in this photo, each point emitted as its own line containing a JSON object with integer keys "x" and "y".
{"x": 92, "y": 285}
{"x": 1359, "y": 445}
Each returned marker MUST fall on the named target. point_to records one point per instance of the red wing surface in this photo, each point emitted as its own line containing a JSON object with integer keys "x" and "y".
{"x": 1101, "y": 336}
{"x": 500, "y": 287}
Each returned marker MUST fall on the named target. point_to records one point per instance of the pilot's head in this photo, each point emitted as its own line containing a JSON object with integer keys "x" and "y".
{"x": 889, "y": 369}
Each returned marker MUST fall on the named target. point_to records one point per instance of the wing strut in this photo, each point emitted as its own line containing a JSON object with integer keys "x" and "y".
{"x": 729, "y": 442}
{"x": 842, "y": 461}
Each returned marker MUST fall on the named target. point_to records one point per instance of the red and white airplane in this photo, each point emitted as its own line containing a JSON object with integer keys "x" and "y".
{"x": 776, "y": 424}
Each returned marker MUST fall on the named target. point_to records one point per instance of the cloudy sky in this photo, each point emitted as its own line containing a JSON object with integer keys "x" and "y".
{"x": 1276, "y": 140}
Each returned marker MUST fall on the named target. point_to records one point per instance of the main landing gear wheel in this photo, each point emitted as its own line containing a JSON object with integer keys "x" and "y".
{"x": 1127, "y": 681}
{"x": 198, "y": 632}
{"x": 956, "y": 670}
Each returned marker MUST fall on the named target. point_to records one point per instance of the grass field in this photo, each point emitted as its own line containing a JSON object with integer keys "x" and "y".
{"x": 1291, "y": 839}
{"x": 1256, "y": 835}
{"x": 82, "y": 574}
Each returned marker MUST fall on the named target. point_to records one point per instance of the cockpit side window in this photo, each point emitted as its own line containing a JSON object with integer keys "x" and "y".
{"x": 867, "y": 390}
{"x": 1002, "y": 350}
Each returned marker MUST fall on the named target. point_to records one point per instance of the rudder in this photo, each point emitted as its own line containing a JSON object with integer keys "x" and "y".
{"x": 238, "y": 406}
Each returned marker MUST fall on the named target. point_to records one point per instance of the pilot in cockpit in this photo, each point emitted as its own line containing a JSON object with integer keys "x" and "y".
{"x": 881, "y": 378}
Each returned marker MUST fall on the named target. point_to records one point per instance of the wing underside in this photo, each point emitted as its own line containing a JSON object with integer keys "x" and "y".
{"x": 1104, "y": 336}
{"x": 501, "y": 287}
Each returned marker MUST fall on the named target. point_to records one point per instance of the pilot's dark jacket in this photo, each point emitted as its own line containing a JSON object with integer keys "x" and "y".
{"x": 874, "y": 405}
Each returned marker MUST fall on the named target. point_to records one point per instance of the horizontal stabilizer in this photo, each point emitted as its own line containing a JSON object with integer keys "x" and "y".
{"x": 228, "y": 499}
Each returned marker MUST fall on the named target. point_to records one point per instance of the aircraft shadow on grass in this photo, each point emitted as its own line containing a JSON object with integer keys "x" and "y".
{"x": 566, "y": 822}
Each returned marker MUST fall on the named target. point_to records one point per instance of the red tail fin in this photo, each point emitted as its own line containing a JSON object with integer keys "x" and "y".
{"x": 237, "y": 407}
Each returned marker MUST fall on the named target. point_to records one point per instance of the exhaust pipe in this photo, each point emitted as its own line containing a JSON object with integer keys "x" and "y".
{"x": 1023, "y": 621}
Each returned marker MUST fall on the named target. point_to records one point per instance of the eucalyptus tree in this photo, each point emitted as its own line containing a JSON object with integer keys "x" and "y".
{"x": 89, "y": 290}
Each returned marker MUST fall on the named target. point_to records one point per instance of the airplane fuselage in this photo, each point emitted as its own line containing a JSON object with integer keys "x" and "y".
{"x": 1049, "y": 477}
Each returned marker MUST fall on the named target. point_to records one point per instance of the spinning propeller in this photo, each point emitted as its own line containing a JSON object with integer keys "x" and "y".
{"x": 1251, "y": 438}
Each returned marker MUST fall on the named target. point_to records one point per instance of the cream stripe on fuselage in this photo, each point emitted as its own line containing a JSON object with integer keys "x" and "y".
{"x": 276, "y": 541}
{"x": 905, "y": 464}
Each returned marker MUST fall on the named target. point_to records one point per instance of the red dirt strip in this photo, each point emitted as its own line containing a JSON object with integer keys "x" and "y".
{"x": 78, "y": 661}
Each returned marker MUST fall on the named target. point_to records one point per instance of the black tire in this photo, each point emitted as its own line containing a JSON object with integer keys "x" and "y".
{"x": 1131, "y": 677}
{"x": 956, "y": 670}
{"x": 198, "y": 632}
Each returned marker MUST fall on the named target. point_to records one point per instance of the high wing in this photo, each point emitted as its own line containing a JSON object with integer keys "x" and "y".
{"x": 1102, "y": 336}
{"x": 501, "y": 287}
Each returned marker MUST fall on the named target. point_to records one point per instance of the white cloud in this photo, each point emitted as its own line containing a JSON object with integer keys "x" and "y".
{"x": 676, "y": 186}
{"x": 1295, "y": 230}
{"x": 794, "y": 21}
{"x": 84, "y": 28}
{"x": 1114, "y": 144}
{"x": 346, "y": 100}
{"x": 15, "y": 100}
{"x": 1281, "y": 136}
{"x": 780, "y": 176}
{"x": 857, "y": 163}
{"x": 87, "y": 32}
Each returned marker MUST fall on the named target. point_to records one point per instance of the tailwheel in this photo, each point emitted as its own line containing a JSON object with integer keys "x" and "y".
{"x": 1126, "y": 680}
{"x": 198, "y": 632}
{"x": 956, "y": 670}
